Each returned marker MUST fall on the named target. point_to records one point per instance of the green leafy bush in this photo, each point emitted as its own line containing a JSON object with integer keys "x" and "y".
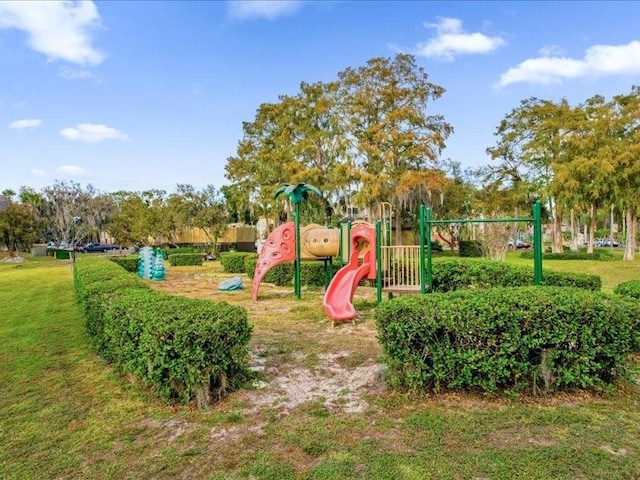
{"x": 630, "y": 288}
{"x": 569, "y": 279}
{"x": 516, "y": 339}
{"x": 185, "y": 259}
{"x": 129, "y": 262}
{"x": 436, "y": 247}
{"x": 470, "y": 248}
{"x": 186, "y": 349}
{"x": 454, "y": 274}
{"x": 234, "y": 262}
{"x": 598, "y": 254}
{"x": 178, "y": 251}
{"x": 314, "y": 273}
{"x": 281, "y": 274}
{"x": 96, "y": 283}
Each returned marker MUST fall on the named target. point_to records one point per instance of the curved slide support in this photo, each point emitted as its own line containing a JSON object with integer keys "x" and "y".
{"x": 339, "y": 295}
{"x": 279, "y": 247}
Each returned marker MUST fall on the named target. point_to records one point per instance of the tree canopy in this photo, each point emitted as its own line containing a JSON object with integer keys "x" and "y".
{"x": 366, "y": 136}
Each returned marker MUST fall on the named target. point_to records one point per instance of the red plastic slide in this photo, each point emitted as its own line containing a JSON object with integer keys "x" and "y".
{"x": 339, "y": 295}
{"x": 337, "y": 299}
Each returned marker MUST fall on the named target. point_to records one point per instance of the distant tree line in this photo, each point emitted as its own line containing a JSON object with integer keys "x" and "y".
{"x": 369, "y": 137}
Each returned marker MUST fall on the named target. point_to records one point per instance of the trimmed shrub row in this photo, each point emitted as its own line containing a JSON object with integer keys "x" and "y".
{"x": 166, "y": 252}
{"x": 313, "y": 273}
{"x": 511, "y": 339}
{"x": 129, "y": 262}
{"x": 436, "y": 246}
{"x": 448, "y": 274}
{"x": 470, "y": 248}
{"x": 598, "y": 254}
{"x": 186, "y": 349}
{"x": 630, "y": 288}
{"x": 454, "y": 274}
{"x": 186, "y": 259}
{"x": 280, "y": 275}
{"x": 234, "y": 262}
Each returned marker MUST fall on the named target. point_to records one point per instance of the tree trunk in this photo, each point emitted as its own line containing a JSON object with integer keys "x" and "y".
{"x": 574, "y": 237}
{"x": 611, "y": 226}
{"x": 592, "y": 228}
{"x": 447, "y": 237}
{"x": 631, "y": 221}
{"x": 557, "y": 231}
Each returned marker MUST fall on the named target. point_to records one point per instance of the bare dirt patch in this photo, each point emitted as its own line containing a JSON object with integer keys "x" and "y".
{"x": 14, "y": 259}
{"x": 169, "y": 429}
{"x": 297, "y": 354}
{"x": 337, "y": 387}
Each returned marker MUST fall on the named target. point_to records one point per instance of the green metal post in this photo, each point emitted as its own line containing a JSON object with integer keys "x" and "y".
{"x": 378, "y": 261}
{"x": 427, "y": 228}
{"x": 422, "y": 250}
{"x": 297, "y": 271}
{"x": 537, "y": 243}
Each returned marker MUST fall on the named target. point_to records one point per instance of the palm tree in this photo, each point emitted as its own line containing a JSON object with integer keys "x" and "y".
{"x": 297, "y": 193}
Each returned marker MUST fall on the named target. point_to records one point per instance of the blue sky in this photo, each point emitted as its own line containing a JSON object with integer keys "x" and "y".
{"x": 138, "y": 95}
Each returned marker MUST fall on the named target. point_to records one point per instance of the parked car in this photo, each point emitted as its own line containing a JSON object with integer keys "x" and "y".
{"x": 606, "y": 242}
{"x": 98, "y": 247}
{"x": 517, "y": 243}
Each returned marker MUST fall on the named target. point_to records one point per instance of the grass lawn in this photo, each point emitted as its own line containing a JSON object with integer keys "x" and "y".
{"x": 319, "y": 411}
{"x": 611, "y": 272}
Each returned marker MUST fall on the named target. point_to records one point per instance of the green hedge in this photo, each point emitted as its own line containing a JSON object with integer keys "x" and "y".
{"x": 234, "y": 262}
{"x": 166, "y": 252}
{"x": 129, "y": 263}
{"x": 280, "y": 275}
{"x": 598, "y": 254}
{"x": 453, "y": 274}
{"x": 630, "y": 288}
{"x": 470, "y": 248}
{"x": 186, "y": 349}
{"x": 313, "y": 272}
{"x": 97, "y": 282}
{"x": 186, "y": 259}
{"x": 511, "y": 339}
{"x": 436, "y": 247}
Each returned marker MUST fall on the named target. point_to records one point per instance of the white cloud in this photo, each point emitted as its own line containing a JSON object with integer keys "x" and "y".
{"x": 92, "y": 133}
{"x": 60, "y": 30}
{"x": 71, "y": 170}
{"x": 598, "y": 60}
{"x": 269, "y": 9}
{"x": 551, "y": 51}
{"x": 452, "y": 40}
{"x": 75, "y": 74}
{"x": 38, "y": 172}
{"x": 26, "y": 123}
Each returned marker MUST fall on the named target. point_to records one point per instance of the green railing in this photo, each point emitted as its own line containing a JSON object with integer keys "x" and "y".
{"x": 425, "y": 225}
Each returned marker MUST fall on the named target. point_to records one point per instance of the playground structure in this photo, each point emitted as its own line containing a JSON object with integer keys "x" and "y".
{"x": 358, "y": 248}
{"x": 365, "y": 251}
